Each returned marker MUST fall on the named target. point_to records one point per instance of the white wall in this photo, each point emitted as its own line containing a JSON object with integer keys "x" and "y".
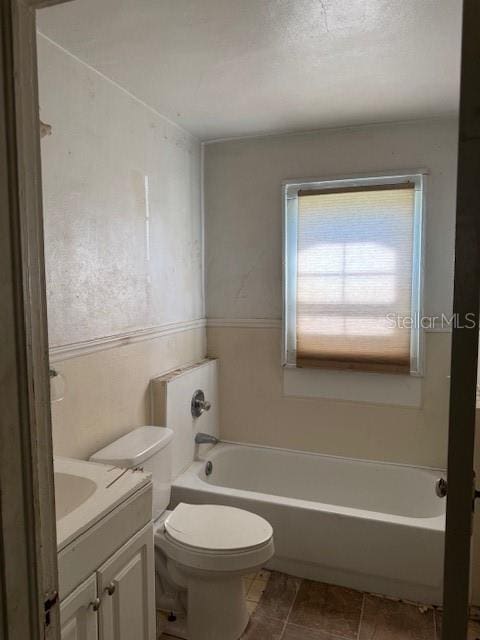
{"x": 244, "y": 232}
{"x": 107, "y": 271}
{"x": 123, "y": 243}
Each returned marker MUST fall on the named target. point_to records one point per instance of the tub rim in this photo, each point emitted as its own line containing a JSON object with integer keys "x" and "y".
{"x": 192, "y": 478}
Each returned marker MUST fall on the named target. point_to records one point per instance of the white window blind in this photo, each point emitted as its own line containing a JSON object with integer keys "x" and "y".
{"x": 355, "y": 277}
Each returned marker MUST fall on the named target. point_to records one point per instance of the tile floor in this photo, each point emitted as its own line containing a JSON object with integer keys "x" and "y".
{"x": 287, "y": 608}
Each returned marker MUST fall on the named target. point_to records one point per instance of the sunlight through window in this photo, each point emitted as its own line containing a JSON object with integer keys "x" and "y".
{"x": 356, "y": 267}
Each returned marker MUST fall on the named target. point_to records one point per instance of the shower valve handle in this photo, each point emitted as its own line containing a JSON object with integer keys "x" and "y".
{"x": 199, "y": 404}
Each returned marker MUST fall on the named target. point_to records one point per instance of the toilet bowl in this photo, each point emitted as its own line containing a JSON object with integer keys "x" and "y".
{"x": 202, "y": 552}
{"x": 208, "y": 549}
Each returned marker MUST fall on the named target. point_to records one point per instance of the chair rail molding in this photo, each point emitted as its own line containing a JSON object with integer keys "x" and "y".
{"x": 276, "y": 323}
{"x": 75, "y": 349}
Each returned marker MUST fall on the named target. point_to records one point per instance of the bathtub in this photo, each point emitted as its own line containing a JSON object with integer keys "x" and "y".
{"x": 370, "y": 526}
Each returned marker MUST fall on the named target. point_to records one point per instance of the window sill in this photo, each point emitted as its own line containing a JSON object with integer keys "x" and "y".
{"x": 353, "y": 386}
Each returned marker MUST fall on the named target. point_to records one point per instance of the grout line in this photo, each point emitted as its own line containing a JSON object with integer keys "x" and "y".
{"x": 361, "y": 615}
{"x": 293, "y": 603}
{"x": 435, "y": 624}
{"x": 307, "y": 630}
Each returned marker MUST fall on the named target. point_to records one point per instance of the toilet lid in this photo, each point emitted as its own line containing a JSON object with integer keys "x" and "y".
{"x": 217, "y": 527}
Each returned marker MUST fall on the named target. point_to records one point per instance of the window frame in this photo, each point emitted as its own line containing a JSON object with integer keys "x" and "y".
{"x": 290, "y": 189}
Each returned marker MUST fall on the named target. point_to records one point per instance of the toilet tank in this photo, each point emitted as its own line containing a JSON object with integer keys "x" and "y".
{"x": 147, "y": 448}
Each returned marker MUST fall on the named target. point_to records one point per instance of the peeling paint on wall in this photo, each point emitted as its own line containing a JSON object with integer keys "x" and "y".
{"x": 45, "y": 129}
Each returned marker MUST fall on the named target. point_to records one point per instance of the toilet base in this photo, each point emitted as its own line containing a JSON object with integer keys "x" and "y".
{"x": 215, "y": 605}
{"x": 177, "y": 629}
{"x": 217, "y": 608}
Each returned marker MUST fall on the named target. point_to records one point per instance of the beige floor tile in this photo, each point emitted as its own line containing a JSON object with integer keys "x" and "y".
{"x": 328, "y": 608}
{"x": 279, "y": 595}
{"x": 262, "y": 628}
{"x": 247, "y": 584}
{"x": 251, "y": 606}
{"x": 294, "y": 632}
{"x": 264, "y": 574}
{"x": 256, "y": 590}
{"x": 390, "y": 620}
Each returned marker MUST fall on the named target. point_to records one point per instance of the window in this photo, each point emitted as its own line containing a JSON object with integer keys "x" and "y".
{"x": 352, "y": 274}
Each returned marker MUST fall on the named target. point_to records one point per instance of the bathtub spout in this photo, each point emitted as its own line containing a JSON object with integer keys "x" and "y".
{"x": 205, "y": 438}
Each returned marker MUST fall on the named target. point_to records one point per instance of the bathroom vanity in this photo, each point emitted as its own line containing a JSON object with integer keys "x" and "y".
{"x": 105, "y": 552}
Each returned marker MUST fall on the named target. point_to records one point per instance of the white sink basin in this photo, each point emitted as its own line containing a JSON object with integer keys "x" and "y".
{"x": 70, "y": 492}
{"x": 86, "y": 491}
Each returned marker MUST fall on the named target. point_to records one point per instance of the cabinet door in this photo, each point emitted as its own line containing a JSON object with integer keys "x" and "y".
{"x": 125, "y": 585}
{"x": 78, "y": 619}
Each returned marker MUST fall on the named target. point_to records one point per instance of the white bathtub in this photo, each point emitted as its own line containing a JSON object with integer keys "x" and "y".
{"x": 370, "y": 526}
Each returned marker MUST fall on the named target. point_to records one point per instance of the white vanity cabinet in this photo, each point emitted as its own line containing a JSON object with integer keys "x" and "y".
{"x": 117, "y": 602}
{"x": 78, "y": 618}
{"x": 106, "y": 565}
{"x": 126, "y": 587}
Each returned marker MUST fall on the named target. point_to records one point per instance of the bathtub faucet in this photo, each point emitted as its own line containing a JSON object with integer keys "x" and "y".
{"x": 205, "y": 438}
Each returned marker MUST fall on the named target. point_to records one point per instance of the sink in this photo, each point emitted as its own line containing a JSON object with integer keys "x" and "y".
{"x": 71, "y": 492}
{"x": 98, "y": 509}
{"x": 86, "y": 491}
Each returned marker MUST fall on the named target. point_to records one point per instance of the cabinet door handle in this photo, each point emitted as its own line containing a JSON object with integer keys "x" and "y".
{"x": 95, "y": 604}
{"x": 110, "y": 589}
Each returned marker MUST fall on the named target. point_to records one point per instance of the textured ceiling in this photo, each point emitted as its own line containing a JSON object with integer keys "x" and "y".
{"x": 224, "y": 68}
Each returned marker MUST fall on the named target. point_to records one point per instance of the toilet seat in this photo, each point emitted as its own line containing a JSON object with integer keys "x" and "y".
{"x": 217, "y": 528}
{"x": 215, "y": 538}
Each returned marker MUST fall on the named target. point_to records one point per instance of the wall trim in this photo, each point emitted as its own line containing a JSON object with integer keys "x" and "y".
{"x": 450, "y": 115}
{"x": 245, "y": 323}
{"x": 276, "y": 323}
{"x": 76, "y": 349}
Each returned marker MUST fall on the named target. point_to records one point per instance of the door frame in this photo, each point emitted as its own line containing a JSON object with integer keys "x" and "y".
{"x": 464, "y": 359}
{"x": 28, "y": 550}
{"x": 28, "y": 556}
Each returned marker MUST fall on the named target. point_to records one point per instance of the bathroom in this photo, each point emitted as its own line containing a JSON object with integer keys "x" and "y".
{"x": 187, "y": 151}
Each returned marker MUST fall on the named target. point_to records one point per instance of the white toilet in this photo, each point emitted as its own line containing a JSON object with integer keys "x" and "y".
{"x": 202, "y": 551}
